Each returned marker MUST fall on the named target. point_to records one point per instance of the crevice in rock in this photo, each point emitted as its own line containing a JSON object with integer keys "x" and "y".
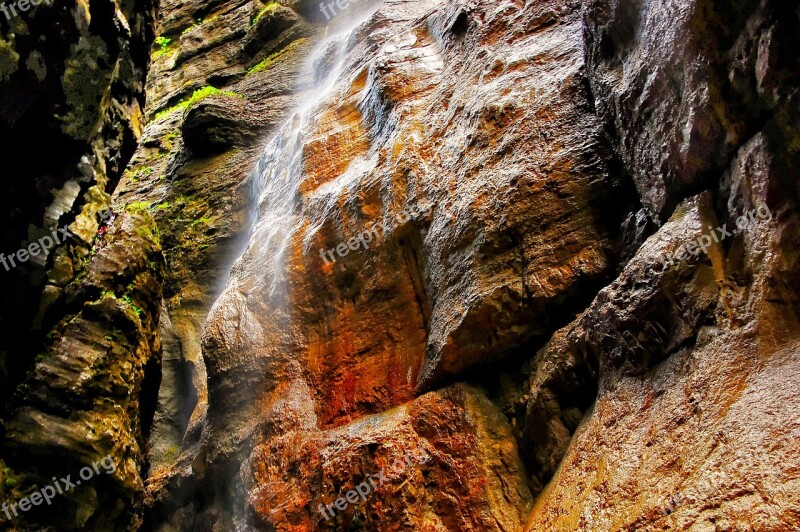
{"x": 148, "y": 396}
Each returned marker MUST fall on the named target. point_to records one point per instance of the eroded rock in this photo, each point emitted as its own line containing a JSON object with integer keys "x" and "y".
{"x": 92, "y": 391}
{"x": 446, "y": 461}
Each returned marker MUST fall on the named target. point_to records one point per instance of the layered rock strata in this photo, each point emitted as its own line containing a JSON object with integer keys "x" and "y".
{"x": 546, "y": 247}
{"x": 79, "y": 318}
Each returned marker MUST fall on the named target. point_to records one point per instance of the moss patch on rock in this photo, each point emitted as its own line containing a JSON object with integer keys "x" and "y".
{"x": 275, "y": 57}
{"x": 162, "y": 46}
{"x": 268, "y": 9}
{"x": 199, "y": 94}
{"x": 84, "y": 99}
{"x": 9, "y": 59}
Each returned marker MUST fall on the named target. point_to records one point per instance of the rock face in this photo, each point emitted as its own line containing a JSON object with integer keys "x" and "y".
{"x": 468, "y": 213}
{"x": 71, "y": 101}
{"x": 79, "y": 317}
{"x": 693, "y": 425}
{"x": 87, "y": 397}
{"x": 451, "y": 443}
{"x": 431, "y": 265}
{"x": 683, "y": 85}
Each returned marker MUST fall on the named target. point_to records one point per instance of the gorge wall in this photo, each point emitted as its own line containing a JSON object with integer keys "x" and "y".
{"x": 510, "y": 265}
{"x": 79, "y": 338}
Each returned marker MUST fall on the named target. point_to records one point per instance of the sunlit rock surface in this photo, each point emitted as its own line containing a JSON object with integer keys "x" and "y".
{"x": 469, "y": 134}
{"x": 465, "y": 169}
{"x": 439, "y": 244}
{"x": 92, "y": 389}
{"x": 446, "y": 461}
{"x": 703, "y": 435}
{"x": 504, "y": 176}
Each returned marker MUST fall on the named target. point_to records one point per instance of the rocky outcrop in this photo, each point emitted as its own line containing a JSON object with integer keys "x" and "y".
{"x": 79, "y": 319}
{"x": 93, "y": 387}
{"x": 222, "y": 75}
{"x": 684, "y": 84}
{"x": 452, "y": 443}
{"x": 447, "y": 209}
{"x": 400, "y": 149}
{"x": 693, "y": 424}
{"x": 432, "y": 265}
{"x": 72, "y": 92}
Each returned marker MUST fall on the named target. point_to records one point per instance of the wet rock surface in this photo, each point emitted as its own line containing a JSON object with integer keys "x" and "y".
{"x": 468, "y": 288}
{"x": 683, "y": 84}
{"x": 514, "y": 212}
{"x": 497, "y": 265}
{"x": 92, "y": 391}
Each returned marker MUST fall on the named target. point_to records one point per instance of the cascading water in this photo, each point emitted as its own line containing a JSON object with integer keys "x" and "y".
{"x": 275, "y": 200}
{"x": 259, "y": 280}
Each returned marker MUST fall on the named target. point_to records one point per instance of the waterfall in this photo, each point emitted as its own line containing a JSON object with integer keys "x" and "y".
{"x": 276, "y": 210}
{"x": 257, "y": 296}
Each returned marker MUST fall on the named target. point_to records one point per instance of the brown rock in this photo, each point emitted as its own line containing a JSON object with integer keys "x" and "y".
{"x": 700, "y": 433}
{"x": 446, "y": 461}
{"x": 92, "y": 391}
{"x": 678, "y": 83}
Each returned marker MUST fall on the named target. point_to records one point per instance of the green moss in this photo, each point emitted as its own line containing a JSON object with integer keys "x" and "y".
{"x": 154, "y": 157}
{"x": 144, "y": 172}
{"x": 169, "y": 139}
{"x": 270, "y": 8}
{"x": 9, "y": 59}
{"x": 127, "y": 299}
{"x": 163, "y": 42}
{"x": 197, "y": 23}
{"x": 274, "y": 57}
{"x": 162, "y": 46}
{"x": 137, "y": 206}
{"x": 200, "y": 221}
{"x": 10, "y": 479}
{"x": 172, "y": 452}
{"x": 141, "y": 173}
{"x": 146, "y": 232}
{"x": 199, "y": 94}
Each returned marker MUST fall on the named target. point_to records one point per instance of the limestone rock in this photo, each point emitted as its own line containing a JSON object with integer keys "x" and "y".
{"x": 446, "y": 461}
{"x": 91, "y": 393}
